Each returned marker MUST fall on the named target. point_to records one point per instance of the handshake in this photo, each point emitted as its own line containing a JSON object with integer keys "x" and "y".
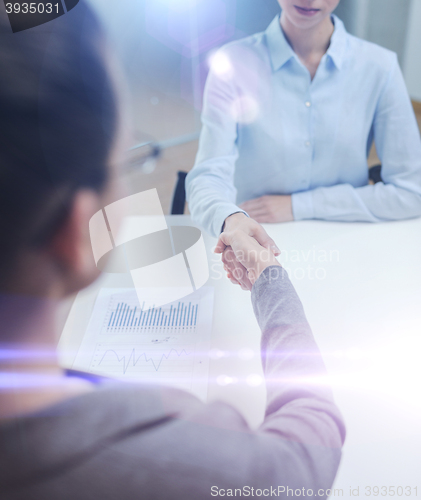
{"x": 246, "y": 250}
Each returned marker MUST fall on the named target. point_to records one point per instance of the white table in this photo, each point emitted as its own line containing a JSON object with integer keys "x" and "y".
{"x": 361, "y": 289}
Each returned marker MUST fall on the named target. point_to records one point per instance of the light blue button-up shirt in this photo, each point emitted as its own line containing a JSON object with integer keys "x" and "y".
{"x": 269, "y": 129}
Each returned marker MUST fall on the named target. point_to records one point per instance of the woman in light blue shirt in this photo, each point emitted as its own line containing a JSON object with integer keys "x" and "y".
{"x": 289, "y": 118}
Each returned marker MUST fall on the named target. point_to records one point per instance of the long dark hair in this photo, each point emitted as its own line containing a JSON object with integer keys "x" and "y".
{"x": 58, "y": 121}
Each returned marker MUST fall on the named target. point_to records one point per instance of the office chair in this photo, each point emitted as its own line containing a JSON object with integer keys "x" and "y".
{"x": 179, "y": 196}
{"x": 374, "y": 174}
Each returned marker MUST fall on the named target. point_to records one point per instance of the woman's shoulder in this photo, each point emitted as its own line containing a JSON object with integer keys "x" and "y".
{"x": 246, "y": 56}
{"x": 370, "y": 55}
{"x": 253, "y": 44}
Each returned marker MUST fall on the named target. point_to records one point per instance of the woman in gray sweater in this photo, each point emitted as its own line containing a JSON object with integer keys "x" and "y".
{"x": 72, "y": 436}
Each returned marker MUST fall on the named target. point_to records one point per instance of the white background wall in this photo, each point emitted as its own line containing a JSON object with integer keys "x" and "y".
{"x": 412, "y": 58}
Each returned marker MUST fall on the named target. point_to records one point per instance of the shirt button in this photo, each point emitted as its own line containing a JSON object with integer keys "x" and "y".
{"x": 308, "y": 104}
{"x": 308, "y": 144}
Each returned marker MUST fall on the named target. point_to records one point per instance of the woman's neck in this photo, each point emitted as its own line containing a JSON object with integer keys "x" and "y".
{"x": 31, "y": 377}
{"x": 311, "y": 44}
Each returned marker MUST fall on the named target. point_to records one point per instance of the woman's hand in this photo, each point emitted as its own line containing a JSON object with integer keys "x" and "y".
{"x": 247, "y": 255}
{"x": 270, "y": 208}
{"x": 235, "y": 270}
{"x": 250, "y": 227}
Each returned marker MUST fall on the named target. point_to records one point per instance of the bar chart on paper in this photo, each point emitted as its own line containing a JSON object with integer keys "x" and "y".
{"x": 124, "y": 316}
{"x": 167, "y": 344}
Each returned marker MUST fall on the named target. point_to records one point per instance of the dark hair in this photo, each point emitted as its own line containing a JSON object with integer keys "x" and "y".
{"x": 58, "y": 120}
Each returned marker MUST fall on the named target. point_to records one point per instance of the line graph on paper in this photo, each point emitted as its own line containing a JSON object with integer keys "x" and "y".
{"x": 164, "y": 345}
{"x": 132, "y": 359}
{"x": 126, "y": 316}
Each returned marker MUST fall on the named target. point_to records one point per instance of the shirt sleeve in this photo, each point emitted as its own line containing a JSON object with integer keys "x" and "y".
{"x": 299, "y": 442}
{"x": 398, "y": 145}
{"x": 210, "y": 184}
{"x": 300, "y": 406}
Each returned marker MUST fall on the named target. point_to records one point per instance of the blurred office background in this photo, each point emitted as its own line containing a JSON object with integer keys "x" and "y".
{"x": 164, "y": 48}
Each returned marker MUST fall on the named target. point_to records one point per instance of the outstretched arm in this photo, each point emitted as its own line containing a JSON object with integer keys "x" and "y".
{"x": 298, "y": 444}
{"x": 210, "y": 184}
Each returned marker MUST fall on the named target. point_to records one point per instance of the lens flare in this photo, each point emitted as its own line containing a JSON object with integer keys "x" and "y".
{"x": 254, "y": 380}
{"x": 246, "y": 354}
{"x": 226, "y": 380}
{"x": 245, "y": 109}
{"x": 221, "y": 65}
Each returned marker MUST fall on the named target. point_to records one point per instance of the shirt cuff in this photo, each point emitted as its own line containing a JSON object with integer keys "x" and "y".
{"x": 302, "y": 205}
{"x": 222, "y": 213}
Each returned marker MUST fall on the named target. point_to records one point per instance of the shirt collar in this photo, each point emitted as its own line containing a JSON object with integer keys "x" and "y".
{"x": 280, "y": 50}
{"x": 338, "y": 41}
